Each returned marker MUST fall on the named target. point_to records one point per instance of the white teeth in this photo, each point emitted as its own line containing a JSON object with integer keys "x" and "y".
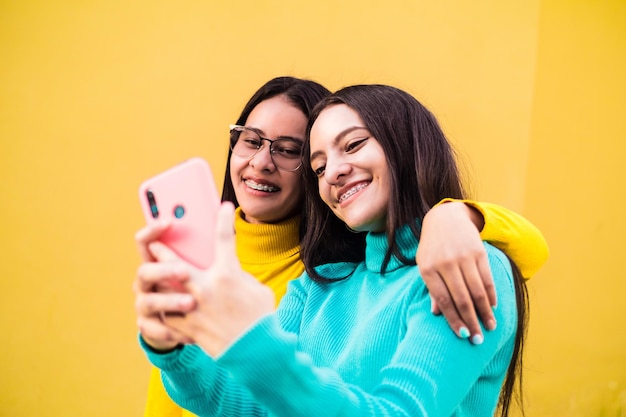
{"x": 261, "y": 187}
{"x": 352, "y": 191}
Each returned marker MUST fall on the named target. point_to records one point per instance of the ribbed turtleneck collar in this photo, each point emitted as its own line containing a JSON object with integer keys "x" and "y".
{"x": 266, "y": 243}
{"x": 376, "y": 247}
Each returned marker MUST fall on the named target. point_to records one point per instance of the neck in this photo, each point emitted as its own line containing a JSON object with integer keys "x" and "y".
{"x": 265, "y": 241}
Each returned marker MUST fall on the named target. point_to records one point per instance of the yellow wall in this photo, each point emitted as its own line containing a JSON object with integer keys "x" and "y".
{"x": 96, "y": 96}
{"x": 575, "y": 194}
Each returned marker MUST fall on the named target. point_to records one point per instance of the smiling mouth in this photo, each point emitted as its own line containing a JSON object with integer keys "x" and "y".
{"x": 352, "y": 191}
{"x": 261, "y": 187}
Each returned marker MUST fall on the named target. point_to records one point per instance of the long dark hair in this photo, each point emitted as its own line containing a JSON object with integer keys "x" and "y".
{"x": 303, "y": 94}
{"x": 423, "y": 171}
{"x": 514, "y": 373}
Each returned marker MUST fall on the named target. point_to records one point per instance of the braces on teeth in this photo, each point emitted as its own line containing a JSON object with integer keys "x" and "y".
{"x": 351, "y": 192}
{"x": 260, "y": 187}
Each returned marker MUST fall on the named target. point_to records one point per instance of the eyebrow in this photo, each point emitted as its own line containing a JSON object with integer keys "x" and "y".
{"x": 340, "y": 136}
{"x": 261, "y": 133}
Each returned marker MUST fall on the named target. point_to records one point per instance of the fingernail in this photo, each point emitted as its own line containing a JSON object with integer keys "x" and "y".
{"x": 491, "y": 324}
{"x": 463, "y": 332}
{"x": 477, "y": 339}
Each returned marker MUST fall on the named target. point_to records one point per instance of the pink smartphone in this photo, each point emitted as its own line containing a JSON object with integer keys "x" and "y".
{"x": 185, "y": 194}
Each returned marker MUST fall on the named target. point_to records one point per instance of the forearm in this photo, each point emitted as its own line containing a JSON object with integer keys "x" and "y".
{"x": 268, "y": 353}
{"x": 195, "y": 382}
{"x": 510, "y": 232}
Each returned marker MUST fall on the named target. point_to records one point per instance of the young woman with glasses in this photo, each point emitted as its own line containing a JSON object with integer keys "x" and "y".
{"x": 264, "y": 180}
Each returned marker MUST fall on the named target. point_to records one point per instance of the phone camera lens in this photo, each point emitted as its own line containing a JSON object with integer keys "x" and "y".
{"x": 179, "y": 211}
{"x": 152, "y": 203}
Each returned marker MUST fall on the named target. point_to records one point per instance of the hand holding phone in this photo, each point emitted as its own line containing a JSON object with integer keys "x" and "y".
{"x": 186, "y": 196}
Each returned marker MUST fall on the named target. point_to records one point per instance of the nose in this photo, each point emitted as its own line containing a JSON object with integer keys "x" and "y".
{"x": 262, "y": 160}
{"x": 336, "y": 170}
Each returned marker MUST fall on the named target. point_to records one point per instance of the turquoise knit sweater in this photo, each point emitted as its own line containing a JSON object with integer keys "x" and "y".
{"x": 364, "y": 346}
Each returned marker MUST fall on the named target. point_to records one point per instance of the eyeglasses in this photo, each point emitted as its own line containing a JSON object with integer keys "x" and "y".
{"x": 286, "y": 153}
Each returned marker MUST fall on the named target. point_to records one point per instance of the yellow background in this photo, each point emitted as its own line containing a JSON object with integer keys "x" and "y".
{"x": 96, "y": 96}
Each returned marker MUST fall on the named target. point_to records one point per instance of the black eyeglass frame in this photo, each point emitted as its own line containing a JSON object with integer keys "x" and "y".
{"x": 240, "y": 129}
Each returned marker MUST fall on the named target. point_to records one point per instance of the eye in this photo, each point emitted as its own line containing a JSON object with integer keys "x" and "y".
{"x": 319, "y": 171}
{"x": 250, "y": 141}
{"x": 287, "y": 148}
{"x": 355, "y": 144}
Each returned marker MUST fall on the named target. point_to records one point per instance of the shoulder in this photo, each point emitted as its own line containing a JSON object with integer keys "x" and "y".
{"x": 498, "y": 260}
{"x": 501, "y": 270}
{"x": 503, "y": 279}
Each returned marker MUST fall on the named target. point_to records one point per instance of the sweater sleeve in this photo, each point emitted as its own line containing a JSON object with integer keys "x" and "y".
{"x": 513, "y": 234}
{"x": 198, "y": 383}
{"x": 432, "y": 373}
{"x": 195, "y": 382}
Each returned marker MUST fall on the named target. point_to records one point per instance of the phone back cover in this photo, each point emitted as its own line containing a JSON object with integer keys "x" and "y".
{"x": 189, "y": 185}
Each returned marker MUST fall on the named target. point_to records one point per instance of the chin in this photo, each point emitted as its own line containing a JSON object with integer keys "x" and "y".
{"x": 375, "y": 227}
{"x": 357, "y": 227}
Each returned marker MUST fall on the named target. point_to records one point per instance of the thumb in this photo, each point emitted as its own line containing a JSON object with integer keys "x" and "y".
{"x": 225, "y": 251}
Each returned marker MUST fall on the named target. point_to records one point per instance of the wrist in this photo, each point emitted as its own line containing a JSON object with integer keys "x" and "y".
{"x": 475, "y": 216}
{"x": 159, "y": 348}
{"x": 458, "y": 210}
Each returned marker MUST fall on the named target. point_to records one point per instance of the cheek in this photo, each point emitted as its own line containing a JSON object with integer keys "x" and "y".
{"x": 294, "y": 184}
{"x": 324, "y": 191}
{"x": 236, "y": 165}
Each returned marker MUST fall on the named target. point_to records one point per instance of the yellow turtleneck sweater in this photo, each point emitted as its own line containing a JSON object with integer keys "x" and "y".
{"x": 271, "y": 253}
